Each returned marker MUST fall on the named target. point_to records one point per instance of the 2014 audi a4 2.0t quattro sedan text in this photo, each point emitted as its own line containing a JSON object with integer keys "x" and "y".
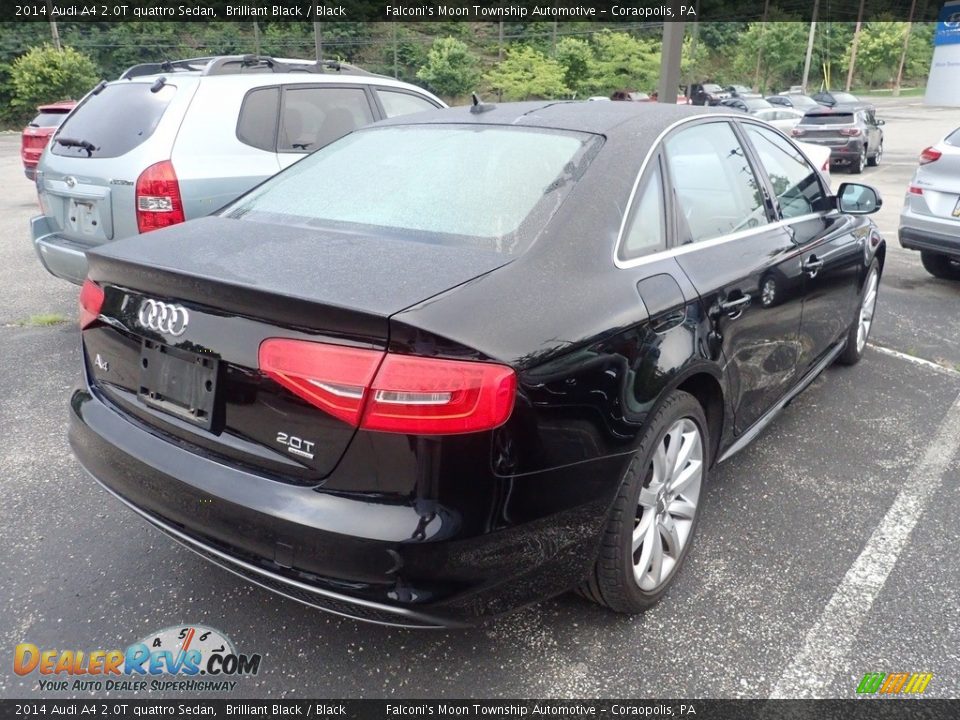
{"x": 462, "y": 361}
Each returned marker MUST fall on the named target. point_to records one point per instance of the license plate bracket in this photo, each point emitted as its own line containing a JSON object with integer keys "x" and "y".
{"x": 84, "y": 217}
{"x": 179, "y": 382}
{"x": 956, "y": 210}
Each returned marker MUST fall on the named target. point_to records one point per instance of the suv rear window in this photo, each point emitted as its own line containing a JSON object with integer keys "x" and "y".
{"x": 50, "y": 118}
{"x": 953, "y": 138}
{"x": 114, "y": 121}
{"x": 831, "y": 119}
{"x": 429, "y": 184}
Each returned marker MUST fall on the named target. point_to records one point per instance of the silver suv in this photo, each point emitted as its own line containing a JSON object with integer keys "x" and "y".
{"x": 172, "y": 141}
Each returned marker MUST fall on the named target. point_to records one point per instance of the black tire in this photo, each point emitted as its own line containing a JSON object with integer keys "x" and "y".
{"x": 857, "y": 166}
{"x": 854, "y": 349}
{"x": 874, "y": 160}
{"x": 612, "y": 582}
{"x": 941, "y": 266}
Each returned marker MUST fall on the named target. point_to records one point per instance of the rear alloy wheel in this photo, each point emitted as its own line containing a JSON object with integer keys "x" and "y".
{"x": 875, "y": 160}
{"x": 857, "y": 166}
{"x": 860, "y": 330}
{"x": 655, "y": 515}
{"x": 941, "y": 266}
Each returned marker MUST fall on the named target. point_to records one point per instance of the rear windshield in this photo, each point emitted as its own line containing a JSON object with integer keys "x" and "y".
{"x": 712, "y": 88}
{"x": 49, "y": 118}
{"x": 489, "y": 187}
{"x": 114, "y": 121}
{"x": 832, "y": 119}
{"x": 845, "y": 98}
{"x": 953, "y": 138}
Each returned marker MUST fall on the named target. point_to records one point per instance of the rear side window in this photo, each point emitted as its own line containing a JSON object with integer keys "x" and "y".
{"x": 257, "y": 124}
{"x": 645, "y": 233}
{"x": 49, "y": 119}
{"x": 953, "y": 138}
{"x": 314, "y": 117}
{"x": 435, "y": 184}
{"x": 114, "y": 121}
{"x": 401, "y": 103}
{"x": 716, "y": 190}
{"x": 831, "y": 119}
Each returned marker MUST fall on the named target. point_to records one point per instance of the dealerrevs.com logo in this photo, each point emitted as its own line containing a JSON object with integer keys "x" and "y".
{"x": 192, "y": 658}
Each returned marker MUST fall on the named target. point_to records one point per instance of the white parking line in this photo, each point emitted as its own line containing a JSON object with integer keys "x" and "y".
{"x": 929, "y": 364}
{"x": 828, "y": 642}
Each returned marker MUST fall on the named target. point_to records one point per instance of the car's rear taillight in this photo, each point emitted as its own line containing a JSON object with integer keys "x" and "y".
{"x": 826, "y": 165}
{"x": 929, "y": 155}
{"x": 797, "y": 132}
{"x": 91, "y": 301}
{"x": 914, "y": 190}
{"x": 395, "y": 393}
{"x": 850, "y": 132}
{"x": 158, "y": 197}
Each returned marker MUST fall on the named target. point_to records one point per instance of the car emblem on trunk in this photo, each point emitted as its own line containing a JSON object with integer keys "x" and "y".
{"x": 163, "y": 317}
{"x": 71, "y": 181}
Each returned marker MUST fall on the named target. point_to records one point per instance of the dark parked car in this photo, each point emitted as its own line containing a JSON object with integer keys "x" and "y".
{"x": 707, "y": 94}
{"x": 852, "y": 132}
{"x": 426, "y": 374}
{"x": 829, "y": 98}
{"x": 746, "y": 104}
{"x": 36, "y": 134}
{"x": 795, "y": 101}
{"x": 741, "y": 91}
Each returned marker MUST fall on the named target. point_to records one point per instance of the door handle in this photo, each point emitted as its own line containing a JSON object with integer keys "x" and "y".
{"x": 734, "y": 308}
{"x": 812, "y": 265}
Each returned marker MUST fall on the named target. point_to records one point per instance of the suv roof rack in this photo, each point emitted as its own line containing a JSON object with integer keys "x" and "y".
{"x": 237, "y": 64}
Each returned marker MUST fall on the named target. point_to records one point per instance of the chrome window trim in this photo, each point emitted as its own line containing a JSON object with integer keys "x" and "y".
{"x": 719, "y": 240}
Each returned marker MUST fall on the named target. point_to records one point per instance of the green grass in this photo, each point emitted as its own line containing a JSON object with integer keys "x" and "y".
{"x": 887, "y": 92}
{"x": 44, "y": 320}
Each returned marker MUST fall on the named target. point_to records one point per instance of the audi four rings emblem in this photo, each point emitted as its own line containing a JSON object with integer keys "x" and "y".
{"x": 164, "y": 317}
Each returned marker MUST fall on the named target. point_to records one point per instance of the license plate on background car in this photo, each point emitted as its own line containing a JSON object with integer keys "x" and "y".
{"x": 178, "y": 382}
{"x": 956, "y": 210}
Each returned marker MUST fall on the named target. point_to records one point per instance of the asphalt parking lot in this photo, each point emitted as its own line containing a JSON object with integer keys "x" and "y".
{"x": 829, "y": 548}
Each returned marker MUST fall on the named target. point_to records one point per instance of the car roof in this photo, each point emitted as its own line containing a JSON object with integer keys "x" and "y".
{"x": 644, "y": 119}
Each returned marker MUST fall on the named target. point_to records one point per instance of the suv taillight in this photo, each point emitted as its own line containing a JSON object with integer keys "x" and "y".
{"x": 374, "y": 390}
{"x": 91, "y": 301}
{"x": 929, "y": 155}
{"x": 797, "y": 132}
{"x": 850, "y": 132}
{"x": 158, "y": 197}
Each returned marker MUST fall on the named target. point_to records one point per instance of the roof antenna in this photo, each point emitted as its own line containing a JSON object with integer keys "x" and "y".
{"x": 480, "y": 107}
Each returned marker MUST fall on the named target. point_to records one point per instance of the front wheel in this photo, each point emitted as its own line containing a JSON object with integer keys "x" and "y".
{"x": 875, "y": 160}
{"x": 653, "y": 520}
{"x": 860, "y": 329}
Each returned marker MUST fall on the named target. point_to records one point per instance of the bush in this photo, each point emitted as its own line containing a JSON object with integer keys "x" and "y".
{"x": 44, "y": 75}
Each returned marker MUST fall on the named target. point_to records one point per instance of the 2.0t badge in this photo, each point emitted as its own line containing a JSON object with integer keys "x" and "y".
{"x": 163, "y": 317}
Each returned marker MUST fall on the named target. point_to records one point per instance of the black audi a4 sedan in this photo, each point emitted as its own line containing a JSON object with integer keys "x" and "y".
{"x": 462, "y": 361}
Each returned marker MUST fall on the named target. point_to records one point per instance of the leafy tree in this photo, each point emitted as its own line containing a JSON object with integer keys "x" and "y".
{"x": 45, "y": 74}
{"x": 781, "y": 45}
{"x": 574, "y": 56}
{"x": 527, "y": 73}
{"x": 878, "y": 57}
{"x": 451, "y": 69}
{"x": 623, "y": 61}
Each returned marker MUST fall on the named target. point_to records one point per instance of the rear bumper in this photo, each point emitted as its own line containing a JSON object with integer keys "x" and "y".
{"x": 353, "y": 555}
{"x": 930, "y": 233}
{"x": 62, "y": 257}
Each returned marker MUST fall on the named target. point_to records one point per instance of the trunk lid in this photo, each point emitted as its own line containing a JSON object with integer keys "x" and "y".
{"x": 241, "y": 282}
{"x": 940, "y": 181}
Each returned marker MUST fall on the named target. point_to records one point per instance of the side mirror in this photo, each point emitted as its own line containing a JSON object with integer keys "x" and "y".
{"x": 881, "y": 122}
{"x": 857, "y": 199}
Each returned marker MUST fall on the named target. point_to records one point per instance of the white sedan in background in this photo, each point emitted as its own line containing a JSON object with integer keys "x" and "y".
{"x": 782, "y": 118}
{"x": 819, "y": 156}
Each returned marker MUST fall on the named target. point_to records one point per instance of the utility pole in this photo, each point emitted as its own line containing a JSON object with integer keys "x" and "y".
{"x": 553, "y": 40}
{"x": 853, "y": 48}
{"x": 813, "y": 29}
{"x": 763, "y": 28}
{"x": 671, "y": 54}
{"x": 256, "y": 38}
{"x": 318, "y": 40}
{"x": 906, "y": 45}
{"x": 54, "y": 31}
{"x": 396, "y": 74}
